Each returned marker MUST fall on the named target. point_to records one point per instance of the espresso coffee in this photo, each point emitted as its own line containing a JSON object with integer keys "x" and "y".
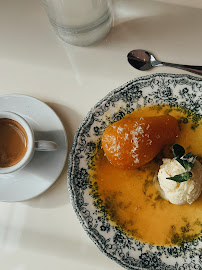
{"x": 13, "y": 142}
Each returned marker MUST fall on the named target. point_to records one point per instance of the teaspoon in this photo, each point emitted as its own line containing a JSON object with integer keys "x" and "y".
{"x": 143, "y": 60}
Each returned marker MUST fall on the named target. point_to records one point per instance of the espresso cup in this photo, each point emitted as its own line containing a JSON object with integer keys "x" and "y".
{"x": 17, "y": 142}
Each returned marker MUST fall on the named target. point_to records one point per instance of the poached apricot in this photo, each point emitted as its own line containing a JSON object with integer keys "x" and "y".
{"x": 133, "y": 142}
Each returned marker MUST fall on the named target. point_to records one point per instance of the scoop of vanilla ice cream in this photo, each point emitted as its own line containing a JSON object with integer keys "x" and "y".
{"x": 179, "y": 193}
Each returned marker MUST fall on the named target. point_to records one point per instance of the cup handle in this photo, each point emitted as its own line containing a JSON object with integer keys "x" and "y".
{"x": 45, "y": 146}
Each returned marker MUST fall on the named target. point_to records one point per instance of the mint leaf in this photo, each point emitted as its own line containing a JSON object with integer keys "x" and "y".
{"x": 186, "y": 164}
{"x": 179, "y": 178}
{"x": 189, "y": 155}
{"x": 190, "y": 158}
{"x": 187, "y": 161}
{"x": 178, "y": 151}
{"x": 180, "y": 161}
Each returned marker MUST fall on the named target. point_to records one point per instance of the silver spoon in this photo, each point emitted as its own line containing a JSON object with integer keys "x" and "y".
{"x": 143, "y": 60}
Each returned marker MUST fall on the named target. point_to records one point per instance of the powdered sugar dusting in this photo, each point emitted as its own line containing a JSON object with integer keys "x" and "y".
{"x": 118, "y": 147}
{"x": 119, "y": 130}
{"x": 149, "y": 142}
{"x": 135, "y": 134}
{"x": 134, "y": 139}
{"x": 139, "y": 130}
{"x": 136, "y": 158}
{"x": 126, "y": 137}
{"x": 114, "y": 146}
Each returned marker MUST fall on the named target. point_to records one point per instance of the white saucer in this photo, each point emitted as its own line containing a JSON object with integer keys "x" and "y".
{"x": 45, "y": 167}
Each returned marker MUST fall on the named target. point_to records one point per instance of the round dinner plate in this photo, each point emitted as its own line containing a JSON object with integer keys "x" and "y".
{"x": 45, "y": 167}
{"x": 171, "y": 89}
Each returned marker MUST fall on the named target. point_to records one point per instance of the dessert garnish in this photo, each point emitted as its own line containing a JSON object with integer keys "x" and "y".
{"x": 180, "y": 178}
{"x": 186, "y": 160}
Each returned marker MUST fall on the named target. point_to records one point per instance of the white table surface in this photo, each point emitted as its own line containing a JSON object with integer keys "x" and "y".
{"x": 44, "y": 233}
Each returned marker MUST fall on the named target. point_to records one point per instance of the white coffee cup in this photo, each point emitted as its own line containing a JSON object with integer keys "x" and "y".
{"x": 32, "y": 145}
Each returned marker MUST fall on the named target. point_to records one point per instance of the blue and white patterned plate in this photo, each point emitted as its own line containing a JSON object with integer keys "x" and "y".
{"x": 181, "y": 90}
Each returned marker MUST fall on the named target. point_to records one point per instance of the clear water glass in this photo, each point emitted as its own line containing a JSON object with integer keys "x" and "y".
{"x": 80, "y": 22}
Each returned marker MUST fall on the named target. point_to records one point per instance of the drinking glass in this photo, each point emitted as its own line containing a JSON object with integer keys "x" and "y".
{"x": 80, "y": 22}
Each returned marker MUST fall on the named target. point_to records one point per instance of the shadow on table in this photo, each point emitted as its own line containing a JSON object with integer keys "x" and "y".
{"x": 165, "y": 30}
{"x": 57, "y": 194}
{"x": 154, "y": 24}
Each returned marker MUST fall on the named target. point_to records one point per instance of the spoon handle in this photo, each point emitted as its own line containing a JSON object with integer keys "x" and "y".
{"x": 193, "y": 69}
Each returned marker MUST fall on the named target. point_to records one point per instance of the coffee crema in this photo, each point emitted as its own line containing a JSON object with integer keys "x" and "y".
{"x": 13, "y": 142}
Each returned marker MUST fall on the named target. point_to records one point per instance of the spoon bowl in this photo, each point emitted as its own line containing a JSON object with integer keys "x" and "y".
{"x": 140, "y": 59}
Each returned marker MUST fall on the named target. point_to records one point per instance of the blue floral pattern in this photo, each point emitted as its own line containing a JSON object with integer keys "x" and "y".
{"x": 179, "y": 90}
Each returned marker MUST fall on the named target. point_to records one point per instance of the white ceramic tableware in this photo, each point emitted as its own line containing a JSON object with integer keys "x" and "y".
{"x": 32, "y": 145}
{"x": 45, "y": 166}
{"x": 171, "y": 89}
